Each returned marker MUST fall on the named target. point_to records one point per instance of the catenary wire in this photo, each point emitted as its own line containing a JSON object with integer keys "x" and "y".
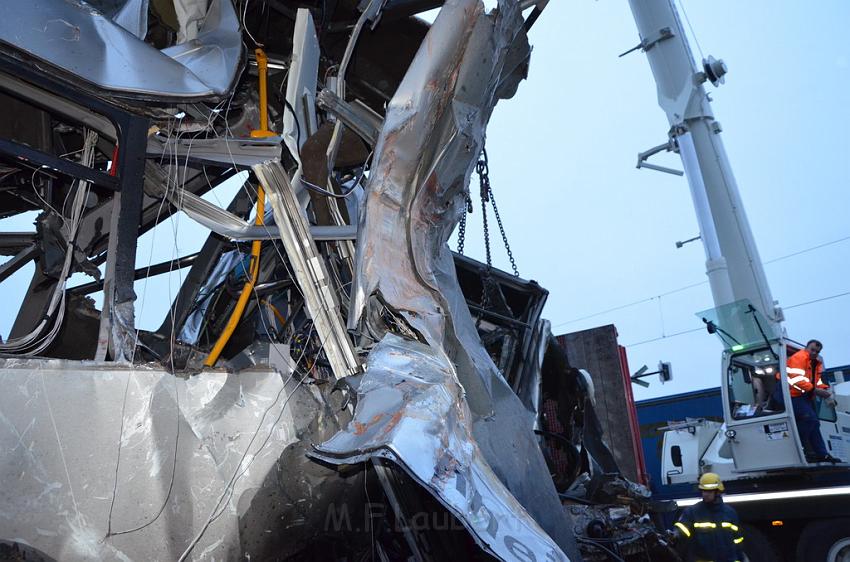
{"x": 693, "y": 285}
{"x": 683, "y": 332}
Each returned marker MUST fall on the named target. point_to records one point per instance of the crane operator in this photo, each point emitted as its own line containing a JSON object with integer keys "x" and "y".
{"x": 708, "y": 530}
{"x": 803, "y": 375}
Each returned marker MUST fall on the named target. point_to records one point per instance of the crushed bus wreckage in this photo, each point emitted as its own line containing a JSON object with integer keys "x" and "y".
{"x": 331, "y": 381}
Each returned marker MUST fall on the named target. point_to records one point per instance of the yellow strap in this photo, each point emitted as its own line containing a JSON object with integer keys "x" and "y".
{"x": 728, "y": 525}
{"x": 682, "y": 527}
{"x": 739, "y": 540}
{"x": 705, "y": 525}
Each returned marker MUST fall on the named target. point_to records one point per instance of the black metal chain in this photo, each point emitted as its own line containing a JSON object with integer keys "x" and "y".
{"x": 461, "y": 227}
{"x": 483, "y": 170}
{"x": 504, "y": 236}
{"x": 484, "y": 200}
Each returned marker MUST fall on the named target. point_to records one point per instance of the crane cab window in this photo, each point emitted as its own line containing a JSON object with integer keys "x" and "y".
{"x": 751, "y": 378}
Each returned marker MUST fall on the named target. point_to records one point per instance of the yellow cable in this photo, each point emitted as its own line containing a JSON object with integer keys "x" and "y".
{"x": 247, "y": 289}
{"x": 254, "y": 268}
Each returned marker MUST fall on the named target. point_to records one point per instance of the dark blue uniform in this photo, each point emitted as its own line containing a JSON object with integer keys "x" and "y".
{"x": 711, "y": 532}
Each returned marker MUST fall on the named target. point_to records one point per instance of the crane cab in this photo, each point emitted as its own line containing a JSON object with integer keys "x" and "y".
{"x": 758, "y": 415}
{"x": 757, "y": 412}
{"x": 758, "y": 432}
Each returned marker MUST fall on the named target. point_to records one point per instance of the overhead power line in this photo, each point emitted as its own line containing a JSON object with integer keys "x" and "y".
{"x": 693, "y": 285}
{"x": 817, "y": 300}
{"x": 683, "y": 332}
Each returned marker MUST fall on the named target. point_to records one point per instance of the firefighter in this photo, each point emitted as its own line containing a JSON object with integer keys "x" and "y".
{"x": 709, "y": 530}
{"x": 803, "y": 375}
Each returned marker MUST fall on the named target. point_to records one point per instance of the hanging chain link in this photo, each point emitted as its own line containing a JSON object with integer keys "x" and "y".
{"x": 485, "y": 187}
{"x": 483, "y": 170}
{"x": 461, "y": 227}
{"x": 504, "y": 236}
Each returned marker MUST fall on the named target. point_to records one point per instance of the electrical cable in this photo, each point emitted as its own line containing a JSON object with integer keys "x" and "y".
{"x": 245, "y": 25}
{"x": 36, "y": 340}
{"x": 170, "y": 489}
{"x": 693, "y": 285}
{"x": 597, "y": 544}
{"x": 696, "y": 39}
{"x": 844, "y": 294}
{"x": 683, "y": 332}
{"x": 345, "y": 193}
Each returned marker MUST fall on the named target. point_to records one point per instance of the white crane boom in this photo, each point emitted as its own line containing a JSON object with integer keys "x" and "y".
{"x": 734, "y": 268}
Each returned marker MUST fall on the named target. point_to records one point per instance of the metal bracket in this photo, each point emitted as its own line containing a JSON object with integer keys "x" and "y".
{"x": 38, "y": 159}
{"x": 644, "y": 156}
{"x": 241, "y": 153}
{"x": 646, "y": 44}
{"x": 681, "y": 243}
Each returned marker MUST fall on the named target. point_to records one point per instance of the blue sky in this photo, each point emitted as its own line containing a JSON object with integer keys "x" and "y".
{"x": 599, "y": 233}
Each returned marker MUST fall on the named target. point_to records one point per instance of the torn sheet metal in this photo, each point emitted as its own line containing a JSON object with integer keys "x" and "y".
{"x": 410, "y": 409}
{"x": 529, "y": 387}
{"x": 74, "y": 37}
{"x": 309, "y": 268}
{"x": 432, "y": 135}
{"x": 133, "y": 16}
{"x": 301, "y": 85}
{"x": 89, "y": 469}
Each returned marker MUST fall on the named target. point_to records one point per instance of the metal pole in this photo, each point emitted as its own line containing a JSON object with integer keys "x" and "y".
{"x": 117, "y": 323}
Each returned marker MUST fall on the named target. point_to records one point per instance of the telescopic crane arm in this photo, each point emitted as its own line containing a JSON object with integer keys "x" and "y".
{"x": 734, "y": 268}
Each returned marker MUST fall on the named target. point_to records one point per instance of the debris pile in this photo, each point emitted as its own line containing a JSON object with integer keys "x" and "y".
{"x": 331, "y": 381}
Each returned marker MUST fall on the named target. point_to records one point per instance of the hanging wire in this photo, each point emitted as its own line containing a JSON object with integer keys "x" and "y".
{"x": 691, "y": 331}
{"x": 245, "y": 25}
{"x": 693, "y": 285}
{"x": 224, "y": 498}
{"x": 693, "y": 34}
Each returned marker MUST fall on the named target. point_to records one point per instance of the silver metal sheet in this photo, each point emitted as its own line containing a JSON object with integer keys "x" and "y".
{"x": 432, "y": 134}
{"x": 226, "y": 150}
{"x": 301, "y": 85}
{"x": 75, "y": 37}
{"x": 89, "y": 455}
{"x": 133, "y": 16}
{"x": 410, "y": 409}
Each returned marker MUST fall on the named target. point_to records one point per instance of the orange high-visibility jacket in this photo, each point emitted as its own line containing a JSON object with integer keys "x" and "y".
{"x": 800, "y": 377}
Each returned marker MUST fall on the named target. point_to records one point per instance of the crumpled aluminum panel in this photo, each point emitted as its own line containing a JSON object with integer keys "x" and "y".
{"x": 432, "y": 134}
{"x": 411, "y": 410}
{"x": 73, "y": 36}
{"x": 61, "y": 424}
